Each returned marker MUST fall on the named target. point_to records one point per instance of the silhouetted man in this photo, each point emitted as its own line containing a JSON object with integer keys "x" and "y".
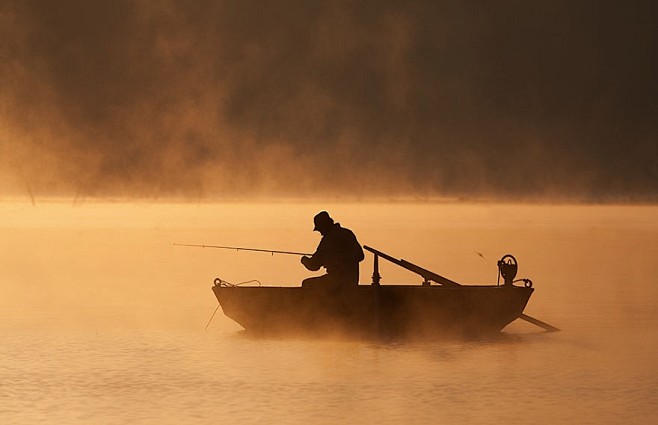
{"x": 339, "y": 252}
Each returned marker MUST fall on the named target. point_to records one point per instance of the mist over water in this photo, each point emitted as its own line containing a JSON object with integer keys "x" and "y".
{"x": 225, "y": 99}
{"x": 223, "y": 111}
{"x": 103, "y": 318}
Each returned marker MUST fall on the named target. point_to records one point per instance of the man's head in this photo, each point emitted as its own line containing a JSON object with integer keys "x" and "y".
{"x": 322, "y": 222}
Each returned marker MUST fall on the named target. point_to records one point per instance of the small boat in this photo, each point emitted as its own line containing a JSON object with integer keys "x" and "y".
{"x": 438, "y": 306}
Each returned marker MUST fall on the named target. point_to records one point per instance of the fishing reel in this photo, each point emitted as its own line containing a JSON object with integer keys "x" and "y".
{"x": 507, "y": 268}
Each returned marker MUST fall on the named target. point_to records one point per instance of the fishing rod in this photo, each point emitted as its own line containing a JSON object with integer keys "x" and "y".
{"x": 238, "y": 248}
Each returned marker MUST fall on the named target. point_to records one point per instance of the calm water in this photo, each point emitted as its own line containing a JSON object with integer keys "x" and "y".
{"x": 102, "y": 318}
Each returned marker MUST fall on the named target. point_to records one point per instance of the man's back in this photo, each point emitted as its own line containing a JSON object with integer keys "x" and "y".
{"x": 339, "y": 251}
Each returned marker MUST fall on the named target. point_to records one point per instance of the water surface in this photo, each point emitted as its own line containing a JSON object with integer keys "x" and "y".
{"x": 102, "y": 318}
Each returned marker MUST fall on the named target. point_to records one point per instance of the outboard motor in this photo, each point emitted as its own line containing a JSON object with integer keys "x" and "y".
{"x": 507, "y": 268}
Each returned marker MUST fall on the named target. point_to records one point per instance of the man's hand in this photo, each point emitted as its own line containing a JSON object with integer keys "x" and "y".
{"x": 310, "y": 263}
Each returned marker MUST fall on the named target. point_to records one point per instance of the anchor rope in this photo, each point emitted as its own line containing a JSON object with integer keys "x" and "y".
{"x": 226, "y": 284}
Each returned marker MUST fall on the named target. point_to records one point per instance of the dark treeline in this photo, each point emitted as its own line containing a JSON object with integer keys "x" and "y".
{"x": 508, "y": 99}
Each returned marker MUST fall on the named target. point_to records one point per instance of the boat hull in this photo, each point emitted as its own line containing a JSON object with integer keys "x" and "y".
{"x": 385, "y": 311}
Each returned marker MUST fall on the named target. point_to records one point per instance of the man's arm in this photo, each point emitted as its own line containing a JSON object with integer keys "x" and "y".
{"x": 311, "y": 263}
{"x": 315, "y": 261}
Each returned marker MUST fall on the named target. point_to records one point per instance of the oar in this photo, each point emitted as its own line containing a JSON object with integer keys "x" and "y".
{"x": 544, "y": 325}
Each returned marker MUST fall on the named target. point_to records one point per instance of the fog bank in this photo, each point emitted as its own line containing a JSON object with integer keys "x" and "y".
{"x": 512, "y": 99}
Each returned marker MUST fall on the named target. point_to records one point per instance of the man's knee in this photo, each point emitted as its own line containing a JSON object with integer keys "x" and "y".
{"x": 319, "y": 281}
{"x": 331, "y": 281}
